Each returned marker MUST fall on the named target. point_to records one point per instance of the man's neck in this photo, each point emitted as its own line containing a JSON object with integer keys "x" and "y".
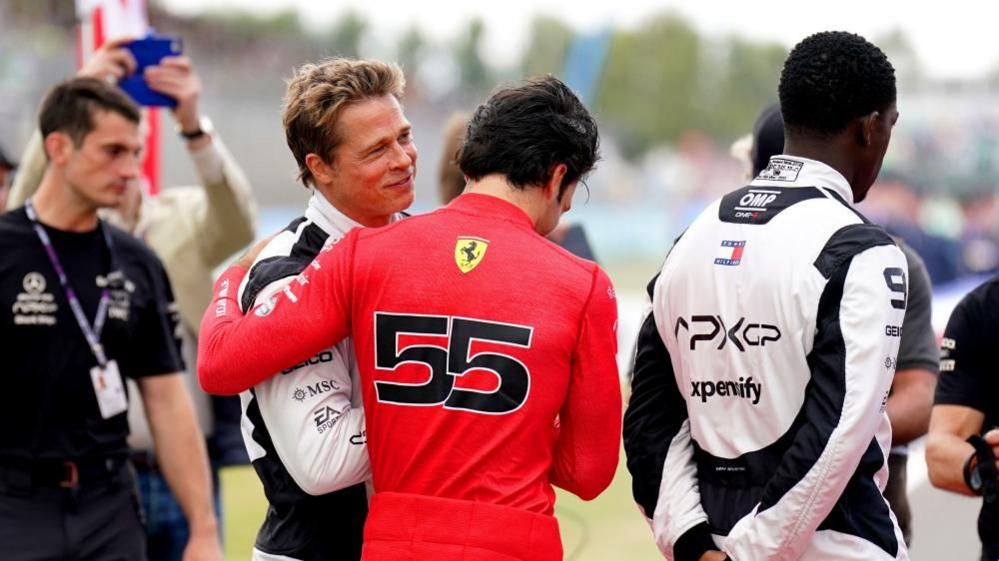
{"x": 59, "y": 207}
{"x": 826, "y": 151}
{"x": 529, "y": 200}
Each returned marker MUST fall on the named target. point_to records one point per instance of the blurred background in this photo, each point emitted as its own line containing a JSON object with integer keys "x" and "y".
{"x": 674, "y": 84}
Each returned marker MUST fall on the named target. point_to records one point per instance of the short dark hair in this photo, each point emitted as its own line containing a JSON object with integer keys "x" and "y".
{"x": 69, "y": 107}
{"x": 832, "y": 77}
{"x": 522, "y": 132}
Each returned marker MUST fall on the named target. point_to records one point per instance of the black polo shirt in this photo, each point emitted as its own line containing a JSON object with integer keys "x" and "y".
{"x": 48, "y": 408}
{"x": 969, "y": 376}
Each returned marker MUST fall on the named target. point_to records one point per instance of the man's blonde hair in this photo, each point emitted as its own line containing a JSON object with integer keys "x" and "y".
{"x": 316, "y": 95}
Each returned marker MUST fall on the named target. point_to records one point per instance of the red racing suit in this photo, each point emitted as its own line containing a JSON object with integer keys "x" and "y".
{"x": 487, "y": 365}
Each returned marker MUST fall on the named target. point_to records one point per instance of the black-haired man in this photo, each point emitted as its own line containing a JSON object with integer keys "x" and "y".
{"x": 488, "y": 376}
{"x": 756, "y": 427}
{"x": 84, "y": 304}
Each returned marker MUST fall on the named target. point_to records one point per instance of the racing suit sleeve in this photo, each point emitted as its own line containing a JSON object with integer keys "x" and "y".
{"x": 317, "y": 431}
{"x": 852, "y": 362}
{"x": 237, "y": 352}
{"x": 588, "y": 442}
{"x": 659, "y": 452}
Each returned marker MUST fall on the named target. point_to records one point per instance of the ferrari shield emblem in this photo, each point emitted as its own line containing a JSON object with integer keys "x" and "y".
{"x": 468, "y": 253}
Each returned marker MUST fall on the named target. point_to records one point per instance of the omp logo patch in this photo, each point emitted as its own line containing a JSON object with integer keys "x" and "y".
{"x": 468, "y": 252}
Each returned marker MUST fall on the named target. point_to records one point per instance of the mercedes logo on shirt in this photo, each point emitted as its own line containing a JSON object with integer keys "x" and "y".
{"x": 34, "y": 283}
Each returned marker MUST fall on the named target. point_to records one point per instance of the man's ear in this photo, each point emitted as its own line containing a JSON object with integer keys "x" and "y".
{"x": 321, "y": 171}
{"x": 866, "y": 125}
{"x": 554, "y": 183}
{"x": 58, "y": 146}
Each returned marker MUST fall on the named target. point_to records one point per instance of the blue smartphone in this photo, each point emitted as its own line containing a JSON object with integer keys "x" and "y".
{"x": 149, "y": 51}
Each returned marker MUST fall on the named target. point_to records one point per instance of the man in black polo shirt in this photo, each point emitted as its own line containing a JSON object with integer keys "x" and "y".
{"x": 83, "y": 304}
{"x": 963, "y": 439}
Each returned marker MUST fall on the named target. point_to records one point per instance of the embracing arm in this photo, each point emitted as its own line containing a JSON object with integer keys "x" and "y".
{"x": 237, "y": 352}
{"x": 310, "y": 415}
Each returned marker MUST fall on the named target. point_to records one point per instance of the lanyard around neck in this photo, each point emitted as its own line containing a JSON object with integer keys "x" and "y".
{"x": 91, "y": 333}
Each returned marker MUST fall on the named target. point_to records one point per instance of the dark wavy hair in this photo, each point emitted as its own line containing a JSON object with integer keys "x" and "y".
{"x": 523, "y": 132}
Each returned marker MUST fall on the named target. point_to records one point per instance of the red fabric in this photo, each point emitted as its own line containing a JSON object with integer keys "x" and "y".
{"x": 410, "y": 527}
{"x": 410, "y": 268}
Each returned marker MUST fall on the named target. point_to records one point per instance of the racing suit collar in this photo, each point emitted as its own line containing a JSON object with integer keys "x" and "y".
{"x": 329, "y": 218}
{"x": 488, "y": 205}
{"x": 795, "y": 171}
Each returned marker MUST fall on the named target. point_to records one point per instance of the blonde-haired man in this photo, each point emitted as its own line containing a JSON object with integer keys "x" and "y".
{"x": 304, "y": 427}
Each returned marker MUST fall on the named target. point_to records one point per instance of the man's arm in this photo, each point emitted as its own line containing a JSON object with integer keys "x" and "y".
{"x": 180, "y": 449}
{"x": 237, "y": 352}
{"x": 946, "y": 446}
{"x": 586, "y": 451}
{"x": 852, "y": 363}
{"x": 918, "y": 359}
{"x": 316, "y": 431}
{"x": 225, "y": 224}
{"x": 660, "y": 454}
{"x": 963, "y": 394}
{"x": 909, "y": 404}
{"x": 153, "y": 361}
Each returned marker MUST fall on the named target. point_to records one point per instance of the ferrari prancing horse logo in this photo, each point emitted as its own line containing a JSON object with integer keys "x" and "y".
{"x": 468, "y": 252}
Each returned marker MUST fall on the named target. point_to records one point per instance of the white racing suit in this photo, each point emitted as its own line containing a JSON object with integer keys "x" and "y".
{"x": 757, "y": 421}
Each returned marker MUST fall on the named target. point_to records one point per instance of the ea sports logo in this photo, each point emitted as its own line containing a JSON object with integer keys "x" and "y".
{"x": 34, "y": 283}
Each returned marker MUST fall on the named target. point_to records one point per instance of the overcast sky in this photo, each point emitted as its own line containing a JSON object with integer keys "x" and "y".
{"x": 954, "y": 39}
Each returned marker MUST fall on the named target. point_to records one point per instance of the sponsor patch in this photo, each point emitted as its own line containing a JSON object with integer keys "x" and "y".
{"x": 731, "y": 253}
{"x": 780, "y": 169}
{"x": 468, "y": 252}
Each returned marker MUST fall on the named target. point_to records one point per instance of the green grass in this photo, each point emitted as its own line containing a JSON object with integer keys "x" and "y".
{"x": 607, "y": 528}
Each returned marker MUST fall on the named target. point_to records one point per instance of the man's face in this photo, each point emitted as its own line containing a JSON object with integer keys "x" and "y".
{"x": 374, "y": 168}
{"x": 99, "y": 170}
{"x": 881, "y": 128}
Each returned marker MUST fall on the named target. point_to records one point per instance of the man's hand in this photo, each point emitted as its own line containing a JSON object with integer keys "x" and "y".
{"x": 992, "y": 439}
{"x": 714, "y": 556}
{"x": 111, "y": 62}
{"x": 175, "y": 76}
{"x": 203, "y": 546}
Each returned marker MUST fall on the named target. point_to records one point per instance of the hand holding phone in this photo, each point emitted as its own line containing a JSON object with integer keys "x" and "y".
{"x": 149, "y": 52}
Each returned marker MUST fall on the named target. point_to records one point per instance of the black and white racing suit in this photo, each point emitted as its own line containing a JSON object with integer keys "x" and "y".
{"x": 304, "y": 428}
{"x": 757, "y": 421}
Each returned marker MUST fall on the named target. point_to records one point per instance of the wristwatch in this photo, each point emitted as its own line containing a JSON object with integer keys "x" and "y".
{"x": 204, "y": 127}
